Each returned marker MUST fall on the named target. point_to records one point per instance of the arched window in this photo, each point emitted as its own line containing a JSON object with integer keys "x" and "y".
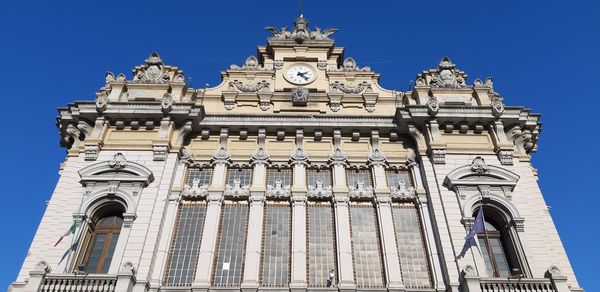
{"x": 497, "y": 246}
{"x": 103, "y": 233}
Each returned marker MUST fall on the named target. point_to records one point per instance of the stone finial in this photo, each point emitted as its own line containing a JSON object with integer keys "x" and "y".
{"x": 42, "y": 266}
{"x": 553, "y": 271}
{"x": 301, "y": 32}
{"x": 128, "y": 268}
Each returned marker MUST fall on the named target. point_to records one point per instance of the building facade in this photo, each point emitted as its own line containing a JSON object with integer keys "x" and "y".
{"x": 298, "y": 172}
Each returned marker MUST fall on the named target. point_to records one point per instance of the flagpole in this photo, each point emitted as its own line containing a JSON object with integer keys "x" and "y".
{"x": 67, "y": 264}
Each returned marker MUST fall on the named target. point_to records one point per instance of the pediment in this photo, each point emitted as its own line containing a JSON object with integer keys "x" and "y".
{"x": 479, "y": 173}
{"x": 117, "y": 169}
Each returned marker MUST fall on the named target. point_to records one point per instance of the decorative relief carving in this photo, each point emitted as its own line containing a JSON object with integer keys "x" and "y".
{"x": 278, "y": 64}
{"x": 237, "y": 190}
{"x": 447, "y": 76}
{"x": 360, "y": 191}
{"x": 338, "y": 86}
{"x": 479, "y": 166}
{"x": 221, "y": 156}
{"x": 250, "y": 64}
{"x": 101, "y": 101}
{"x": 300, "y": 96}
{"x": 319, "y": 191}
{"x": 338, "y": 157}
{"x": 377, "y": 158}
{"x": 433, "y": 106}
{"x": 153, "y": 71}
{"x": 497, "y": 106}
{"x": 299, "y": 157}
{"x": 118, "y": 161}
{"x": 301, "y": 32}
{"x": 350, "y": 65}
{"x": 335, "y": 105}
{"x": 260, "y": 157}
{"x": 159, "y": 152}
{"x": 402, "y": 192}
{"x": 195, "y": 190}
{"x": 279, "y": 190}
{"x": 91, "y": 151}
{"x": 243, "y": 87}
{"x": 167, "y": 103}
{"x": 438, "y": 156}
{"x": 505, "y": 157}
{"x": 322, "y": 64}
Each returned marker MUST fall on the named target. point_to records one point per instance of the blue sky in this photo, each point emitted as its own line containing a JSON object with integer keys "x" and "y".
{"x": 543, "y": 55}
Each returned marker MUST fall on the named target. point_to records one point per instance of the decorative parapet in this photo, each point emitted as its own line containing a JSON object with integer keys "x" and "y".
{"x": 318, "y": 191}
{"x": 360, "y": 191}
{"x": 279, "y": 190}
{"x": 195, "y": 190}
{"x": 237, "y": 190}
{"x": 401, "y": 192}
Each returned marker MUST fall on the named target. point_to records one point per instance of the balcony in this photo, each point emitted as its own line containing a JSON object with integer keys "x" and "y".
{"x": 72, "y": 282}
{"x": 516, "y": 285}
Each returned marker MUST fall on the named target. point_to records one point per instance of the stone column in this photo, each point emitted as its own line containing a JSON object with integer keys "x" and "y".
{"x": 299, "y": 161}
{"x": 212, "y": 219}
{"x": 388, "y": 242}
{"x": 209, "y": 242}
{"x": 344, "y": 246}
{"x": 298, "y": 276}
{"x": 251, "y": 279}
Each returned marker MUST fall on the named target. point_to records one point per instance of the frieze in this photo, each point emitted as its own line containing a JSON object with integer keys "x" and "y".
{"x": 243, "y": 87}
{"x": 338, "y": 86}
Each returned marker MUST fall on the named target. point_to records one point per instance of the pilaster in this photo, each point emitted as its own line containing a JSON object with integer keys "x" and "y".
{"x": 209, "y": 242}
{"x": 388, "y": 242}
{"x": 344, "y": 246}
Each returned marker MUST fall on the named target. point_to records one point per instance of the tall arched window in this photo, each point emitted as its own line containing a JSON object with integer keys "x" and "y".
{"x": 498, "y": 246}
{"x": 103, "y": 234}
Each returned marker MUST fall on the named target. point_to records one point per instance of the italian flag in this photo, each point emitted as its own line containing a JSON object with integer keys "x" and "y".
{"x": 69, "y": 232}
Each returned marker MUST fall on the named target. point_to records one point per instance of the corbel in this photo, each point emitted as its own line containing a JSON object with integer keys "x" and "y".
{"x": 243, "y": 134}
{"x": 335, "y": 100}
{"x": 162, "y": 145}
{"x": 318, "y": 135}
{"x": 337, "y": 138}
{"x": 355, "y": 135}
{"x": 370, "y": 99}
{"x": 418, "y": 137}
{"x": 93, "y": 145}
{"x": 503, "y": 148}
{"x": 204, "y": 134}
{"x": 149, "y": 125}
{"x": 264, "y": 99}
{"x": 229, "y": 97}
{"x": 280, "y": 135}
{"x": 120, "y": 125}
{"x": 463, "y": 128}
{"x": 394, "y": 136}
{"x": 437, "y": 147}
{"x": 135, "y": 125}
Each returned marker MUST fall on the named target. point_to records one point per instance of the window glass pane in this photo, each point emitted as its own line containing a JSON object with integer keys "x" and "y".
{"x": 395, "y": 176}
{"x": 203, "y": 175}
{"x": 284, "y": 174}
{"x": 366, "y": 250}
{"x": 244, "y": 174}
{"x": 499, "y": 257}
{"x": 110, "y": 251}
{"x": 276, "y": 245}
{"x": 96, "y": 249}
{"x": 229, "y": 262}
{"x": 363, "y": 175}
{"x": 321, "y": 244}
{"x": 486, "y": 256}
{"x": 312, "y": 175}
{"x": 183, "y": 256}
{"x": 411, "y": 246}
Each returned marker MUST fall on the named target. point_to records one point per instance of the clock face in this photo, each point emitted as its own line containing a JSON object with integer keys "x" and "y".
{"x": 300, "y": 74}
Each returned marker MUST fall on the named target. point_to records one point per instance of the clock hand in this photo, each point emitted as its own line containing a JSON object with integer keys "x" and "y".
{"x": 302, "y": 75}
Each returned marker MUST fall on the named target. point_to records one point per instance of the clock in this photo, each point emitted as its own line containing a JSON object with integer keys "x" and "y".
{"x": 300, "y": 74}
